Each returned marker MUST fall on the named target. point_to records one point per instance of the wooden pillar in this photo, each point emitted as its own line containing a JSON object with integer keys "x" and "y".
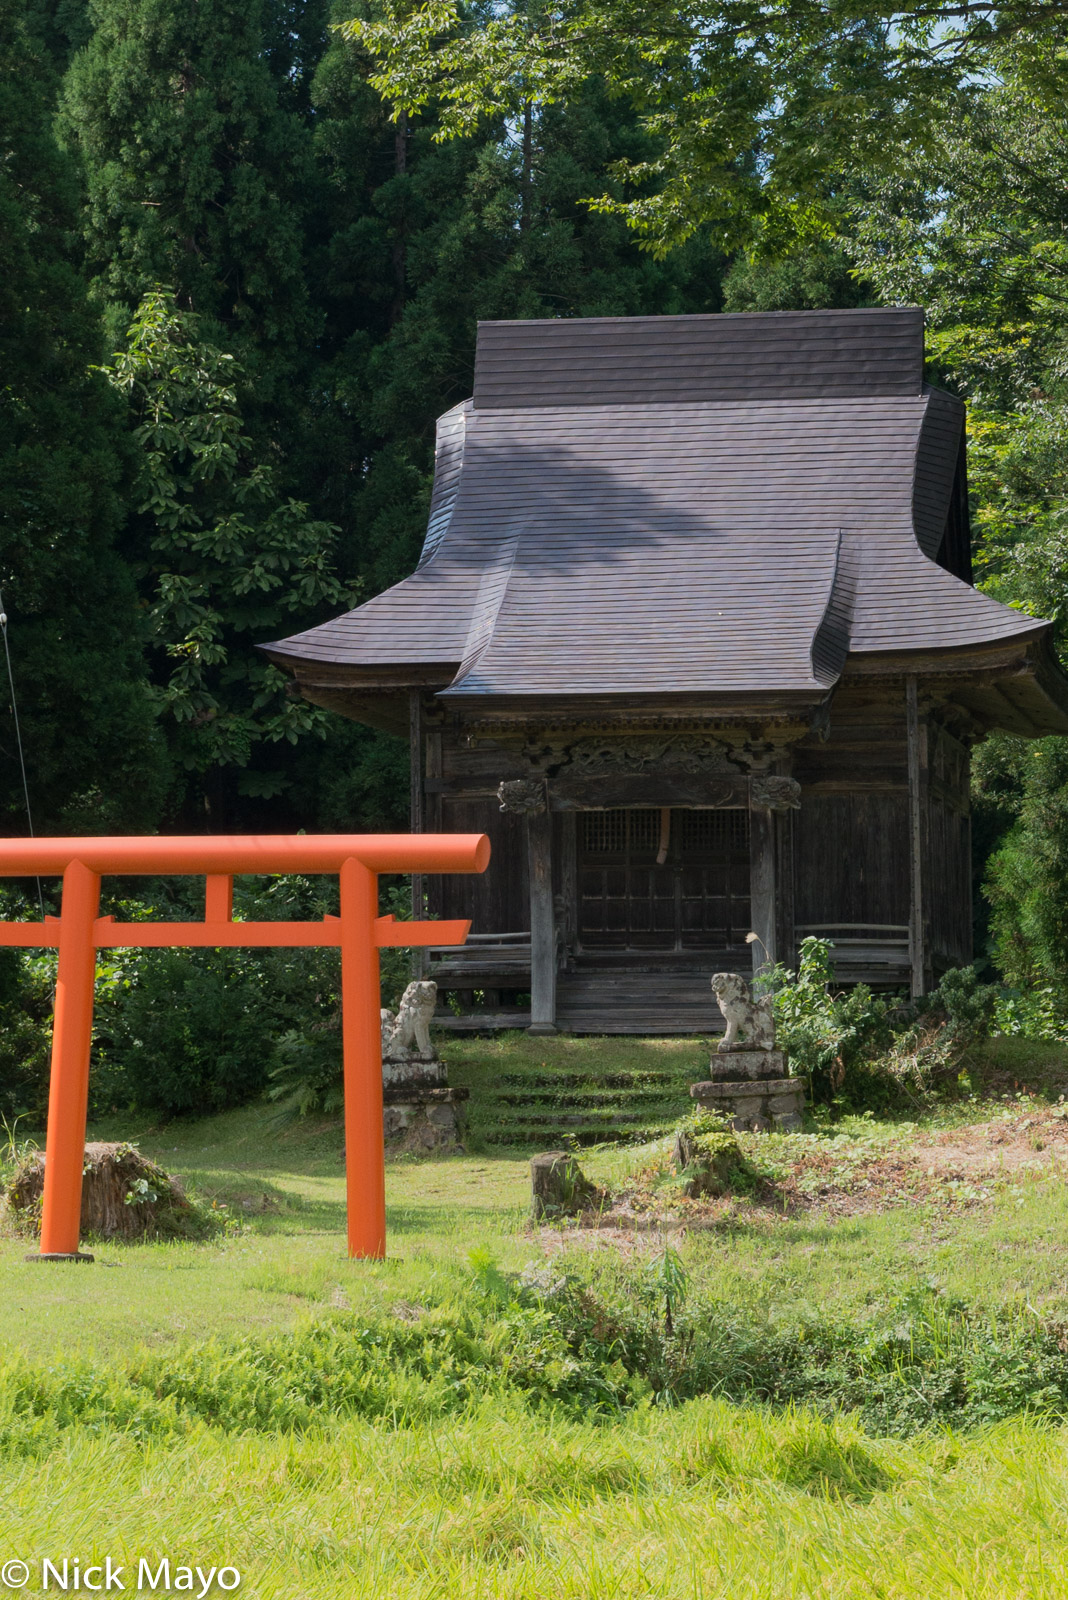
{"x": 916, "y": 735}
{"x": 762, "y": 884}
{"x": 542, "y": 922}
{"x": 418, "y": 816}
{"x": 569, "y": 877}
{"x": 967, "y": 948}
{"x": 786, "y": 938}
{"x": 432, "y": 808}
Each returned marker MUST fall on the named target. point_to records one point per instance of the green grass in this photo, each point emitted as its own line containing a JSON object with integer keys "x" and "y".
{"x": 705, "y": 1501}
{"x": 276, "y": 1262}
{"x": 1006, "y": 1063}
{"x": 710, "y": 1502}
{"x": 281, "y": 1261}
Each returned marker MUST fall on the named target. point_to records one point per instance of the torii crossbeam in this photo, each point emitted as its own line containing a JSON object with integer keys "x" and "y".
{"x": 79, "y": 931}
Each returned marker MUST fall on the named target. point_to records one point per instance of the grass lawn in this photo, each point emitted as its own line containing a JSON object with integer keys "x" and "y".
{"x": 500, "y": 1498}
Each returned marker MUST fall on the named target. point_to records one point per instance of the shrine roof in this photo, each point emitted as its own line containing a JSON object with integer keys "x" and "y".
{"x": 715, "y": 505}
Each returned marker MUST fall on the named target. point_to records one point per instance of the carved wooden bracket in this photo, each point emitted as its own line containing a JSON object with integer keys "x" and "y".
{"x": 775, "y": 793}
{"x": 592, "y": 757}
{"x": 523, "y": 795}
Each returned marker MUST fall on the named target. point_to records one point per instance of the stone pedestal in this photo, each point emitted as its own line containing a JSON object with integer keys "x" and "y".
{"x": 752, "y": 1088}
{"x": 748, "y": 1081}
{"x": 424, "y": 1120}
{"x": 413, "y": 1072}
{"x": 728, "y": 1066}
{"x": 421, "y": 1113}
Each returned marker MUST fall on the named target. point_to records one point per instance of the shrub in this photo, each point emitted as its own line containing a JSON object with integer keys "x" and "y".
{"x": 866, "y": 1051}
{"x": 190, "y": 1031}
{"x": 827, "y": 1036}
{"x": 1027, "y": 876}
{"x": 27, "y": 986}
{"x": 1038, "y": 1014}
{"x": 306, "y": 1075}
{"x": 968, "y": 1007}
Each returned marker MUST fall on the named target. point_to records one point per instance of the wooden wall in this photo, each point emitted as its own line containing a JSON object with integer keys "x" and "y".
{"x": 851, "y": 852}
{"x": 851, "y": 856}
{"x": 497, "y": 900}
{"x": 851, "y": 835}
{"x": 844, "y": 857}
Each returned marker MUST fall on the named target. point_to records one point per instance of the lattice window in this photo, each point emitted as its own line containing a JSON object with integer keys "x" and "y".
{"x": 644, "y": 831}
{"x": 696, "y": 899}
{"x": 635, "y": 832}
{"x": 713, "y": 830}
{"x": 604, "y": 832}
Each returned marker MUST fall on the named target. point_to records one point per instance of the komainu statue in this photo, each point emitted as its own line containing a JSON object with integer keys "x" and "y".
{"x": 407, "y": 1035}
{"x": 750, "y": 1024}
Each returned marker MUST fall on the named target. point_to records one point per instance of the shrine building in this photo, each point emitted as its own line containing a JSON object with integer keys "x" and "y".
{"x": 693, "y": 638}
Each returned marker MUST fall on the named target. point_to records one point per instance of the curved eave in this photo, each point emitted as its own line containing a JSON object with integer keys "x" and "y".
{"x": 378, "y": 696}
{"x": 1010, "y": 686}
{"x": 361, "y": 676}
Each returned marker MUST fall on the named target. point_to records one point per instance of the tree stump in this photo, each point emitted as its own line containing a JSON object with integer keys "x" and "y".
{"x": 124, "y": 1196}
{"x": 707, "y": 1159}
{"x": 558, "y": 1186}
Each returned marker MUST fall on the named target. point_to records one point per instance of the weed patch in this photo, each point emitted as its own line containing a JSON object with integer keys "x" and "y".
{"x": 562, "y": 1342}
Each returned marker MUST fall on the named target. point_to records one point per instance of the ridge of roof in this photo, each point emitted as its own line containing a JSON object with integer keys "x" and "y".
{"x": 722, "y": 356}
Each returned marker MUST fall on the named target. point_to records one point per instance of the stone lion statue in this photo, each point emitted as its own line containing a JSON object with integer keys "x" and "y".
{"x": 408, "y": 1033}
{"x": 751, "y": 1019}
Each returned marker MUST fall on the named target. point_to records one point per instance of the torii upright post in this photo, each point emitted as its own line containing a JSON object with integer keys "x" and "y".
{"x": 72, "y": 1038}
{"x": 79, "y": 932}
{"x": 365, "y": 1172}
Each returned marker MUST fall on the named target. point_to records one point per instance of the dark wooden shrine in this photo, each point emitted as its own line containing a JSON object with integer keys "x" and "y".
{"x": 694, "y": 639}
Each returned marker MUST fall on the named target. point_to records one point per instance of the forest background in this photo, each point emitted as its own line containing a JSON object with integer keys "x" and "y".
{"x": 244, "y": 245}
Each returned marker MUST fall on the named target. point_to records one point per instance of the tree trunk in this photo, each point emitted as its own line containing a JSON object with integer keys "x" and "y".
{"x": 124, "y": 1195}
{"x": 400, "y": 240}
{"x": 527, "y": 178}
{"x": 708, "y": 1169}
{"x": 558, "y": 1186}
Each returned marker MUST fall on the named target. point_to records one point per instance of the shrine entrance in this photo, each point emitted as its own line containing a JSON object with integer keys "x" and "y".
{"x": 669, "y": 880}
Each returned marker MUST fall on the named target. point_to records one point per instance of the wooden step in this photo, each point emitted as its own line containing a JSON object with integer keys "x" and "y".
{"x": 608, "y": 1000}
{"x": 613, "y": 1001}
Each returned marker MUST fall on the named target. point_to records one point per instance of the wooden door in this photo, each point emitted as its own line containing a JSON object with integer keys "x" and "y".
{"x": 696, "y": 897}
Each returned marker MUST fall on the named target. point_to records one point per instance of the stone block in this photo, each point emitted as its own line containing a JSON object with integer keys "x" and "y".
{"x": 412, "y": 1073}
{"x": 424, "y": 1120}
{"x": 755, "y": 1105}
{"x": 733, "y": 1064}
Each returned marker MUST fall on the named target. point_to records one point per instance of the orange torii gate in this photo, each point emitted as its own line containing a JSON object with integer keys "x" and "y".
{"x": 79, "y": 931}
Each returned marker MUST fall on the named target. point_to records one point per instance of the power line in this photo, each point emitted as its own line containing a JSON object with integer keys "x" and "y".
{"x": 18, "y": 737}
